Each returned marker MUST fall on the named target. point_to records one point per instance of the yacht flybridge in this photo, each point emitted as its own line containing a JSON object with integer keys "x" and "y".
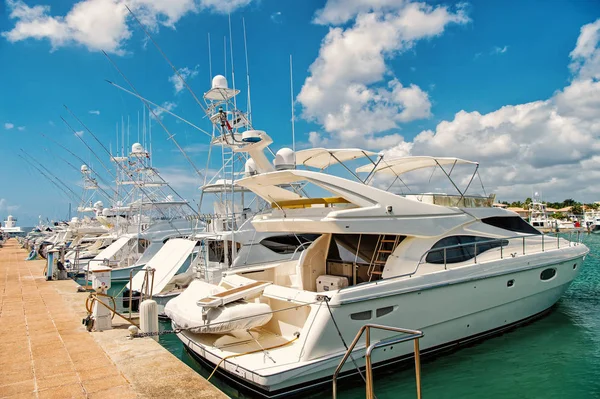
{"x": 450, "y": 265}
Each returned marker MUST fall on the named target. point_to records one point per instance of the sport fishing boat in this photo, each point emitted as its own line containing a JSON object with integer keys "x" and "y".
{"x": 10, "y": 228}
{"x": 451, "y": 266}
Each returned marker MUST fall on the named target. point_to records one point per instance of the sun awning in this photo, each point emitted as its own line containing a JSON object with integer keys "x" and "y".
{"x": 110, "y": 251}
{"x": 323, "y": 157}
{"x": 167, "y": 261}
{"x": 406, "y": 164}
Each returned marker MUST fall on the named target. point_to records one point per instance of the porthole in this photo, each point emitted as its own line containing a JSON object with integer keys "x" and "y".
{"x": 574, "y": 266}
{"x": 548, "y": 274}
{"x": 510, "y": 283}
{"x": 366, "y": 315}
{"x": 383, "y": 311}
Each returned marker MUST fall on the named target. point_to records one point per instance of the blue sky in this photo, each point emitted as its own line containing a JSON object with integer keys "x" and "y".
{"x": 490, "y": 81}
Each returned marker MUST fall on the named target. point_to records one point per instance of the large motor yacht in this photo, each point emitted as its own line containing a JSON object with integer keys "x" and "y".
{"x": 451, "y": 266}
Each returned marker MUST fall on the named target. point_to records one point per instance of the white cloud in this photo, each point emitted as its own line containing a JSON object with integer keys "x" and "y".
{"x": 8, "y": 125}
{"x": 103, "y": 24}
{"x": 94, "y": 112}
{"x": 167, "y": 105}
{"x": 5, "y": 207}
{"x": 351, "y": 91}
{"x": 499, "y": 50}
{"x": 79, "y": 133}
{"x": 21, "y": 128}
{"x": 550, "y": 144}
{"x": 276, "y": 17}
{"x": 187, "y": 74}
{"x": 586, "y": 57}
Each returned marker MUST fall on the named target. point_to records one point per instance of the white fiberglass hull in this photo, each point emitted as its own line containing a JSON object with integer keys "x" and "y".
{"x": 448, "y": 314}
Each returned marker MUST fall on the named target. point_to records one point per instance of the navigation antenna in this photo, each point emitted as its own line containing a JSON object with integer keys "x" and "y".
{"x": 249, "y": 106}
{"x": 292, "y": 100}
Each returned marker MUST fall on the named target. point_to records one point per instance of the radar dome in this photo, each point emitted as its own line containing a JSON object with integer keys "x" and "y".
{"x": 137, "y": 147}
{"x": 74, "y": 219}
{"x": 219, "y": 82}
{"x": 250, "y": 168}
{"x": 84, "y": 168}
{"x": 105, "y": 212}
{"x": 98, "y": 204}
{"x": 285, "y": 159}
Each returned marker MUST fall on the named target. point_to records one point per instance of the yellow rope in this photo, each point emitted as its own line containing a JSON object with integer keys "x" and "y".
{"x": 248, "y": 353}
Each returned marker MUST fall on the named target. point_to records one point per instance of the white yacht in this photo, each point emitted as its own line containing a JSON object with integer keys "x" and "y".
{"x": 450, "y": 265}
{"x": 10, "y": 227}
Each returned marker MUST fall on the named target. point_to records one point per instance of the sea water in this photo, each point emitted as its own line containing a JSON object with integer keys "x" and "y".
{"x": 555, "y": 357}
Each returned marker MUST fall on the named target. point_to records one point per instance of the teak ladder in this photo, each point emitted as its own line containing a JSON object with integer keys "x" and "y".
{"x": 386, "y": 244}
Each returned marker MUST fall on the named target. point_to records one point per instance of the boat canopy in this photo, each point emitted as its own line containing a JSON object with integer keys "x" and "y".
{"x": 406, "y": 164}
{"x": 322, "y": 157}
{"x": 110, "y": 251}
{"x": 167, "y": 261}
{"x": 221, "y": 186}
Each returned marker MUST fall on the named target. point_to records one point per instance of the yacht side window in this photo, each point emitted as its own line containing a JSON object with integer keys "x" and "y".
{"x": 288, "y": 244}
{"x": 511, "y": 223}
{"x": 461, "y": 248}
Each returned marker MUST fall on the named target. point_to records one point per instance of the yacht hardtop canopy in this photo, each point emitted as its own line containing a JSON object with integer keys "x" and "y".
{"x": 406, "y": 164}
{"x": 322, "y": 157}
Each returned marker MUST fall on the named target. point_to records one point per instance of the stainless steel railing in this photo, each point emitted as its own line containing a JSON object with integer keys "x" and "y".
{"x": 542, "y": 240}
{"x": 410, "y": 335}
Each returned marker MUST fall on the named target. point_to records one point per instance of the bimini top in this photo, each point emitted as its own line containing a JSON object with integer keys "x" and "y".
{"x": 406, "y": 164}
{"x": 221, "y": 186}
{"x": 322, "y": 157}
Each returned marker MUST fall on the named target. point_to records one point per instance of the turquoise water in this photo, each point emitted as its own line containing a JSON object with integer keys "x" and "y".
{"x": 555, "y": 357}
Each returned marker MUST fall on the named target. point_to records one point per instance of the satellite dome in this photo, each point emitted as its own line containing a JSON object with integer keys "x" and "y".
{"x": 74, "y": 219}
{"x": 137, "y": 147}
{"x": 105, "y": 212}
{"x": 285, "y": 159}
{"x": 250, "y": 168}
{"x": 219, "y": 82}
{"x": 98, "y": 204}
{"x": 84, "y": 168}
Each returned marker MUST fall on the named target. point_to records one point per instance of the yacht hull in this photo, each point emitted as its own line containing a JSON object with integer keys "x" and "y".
{"x": 449, "y": 315}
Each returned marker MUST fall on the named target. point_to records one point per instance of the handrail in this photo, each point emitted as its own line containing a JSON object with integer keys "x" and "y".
{"x": 413, "y": 335}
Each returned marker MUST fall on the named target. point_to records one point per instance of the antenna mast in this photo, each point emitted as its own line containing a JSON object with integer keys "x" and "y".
{"x": 247, "y": 73}
{"x": 209, "y": 61}
{"x": 292, "y": 100}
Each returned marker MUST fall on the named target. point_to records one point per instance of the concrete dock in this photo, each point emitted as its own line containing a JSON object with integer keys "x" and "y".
{"x": 45, "y": 351}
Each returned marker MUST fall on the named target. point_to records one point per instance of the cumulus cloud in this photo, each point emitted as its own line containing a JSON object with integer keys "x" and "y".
{"x": 187, "y": 74}
{"x": 167, "y": 105}
{"x": 276, "y": 17}
{"x": 550, "y": 144}
{"x": 6, "y": 207}
{"x": 94, "y": 112}
{"x": 351, "y": 91}
{"x": 103, "y": 24}
{"x": 21, "y": 128}
{"x": 79, "y": 133}
{"x": 8, "y": 125}
{"x": 499, "y": 50}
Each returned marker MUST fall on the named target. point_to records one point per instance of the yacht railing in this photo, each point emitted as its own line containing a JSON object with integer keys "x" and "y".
{"x": 547, "y": 242}
{"x": 409, "y": 335}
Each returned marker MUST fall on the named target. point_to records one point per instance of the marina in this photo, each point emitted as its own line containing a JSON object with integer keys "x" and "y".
{"x": 368, "y": 223}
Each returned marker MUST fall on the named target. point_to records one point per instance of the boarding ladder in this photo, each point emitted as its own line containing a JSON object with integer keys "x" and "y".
{"x": 386, "y": 245}
{"x": 406, "y": 335}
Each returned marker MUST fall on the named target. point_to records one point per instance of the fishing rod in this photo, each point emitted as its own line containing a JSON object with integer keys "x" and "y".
{"x": 159, "y": 107}
{"x": 79, "y": 171}
{"x": 129, "y": 174}
{"x": 49, "y": 172}
{"x": 89, "y": 148}
{"x": 170, "y": 136}
{"x": 49, "y": 179}
{"x": 167, "y": 59}
{"x": 82, "y": 162}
